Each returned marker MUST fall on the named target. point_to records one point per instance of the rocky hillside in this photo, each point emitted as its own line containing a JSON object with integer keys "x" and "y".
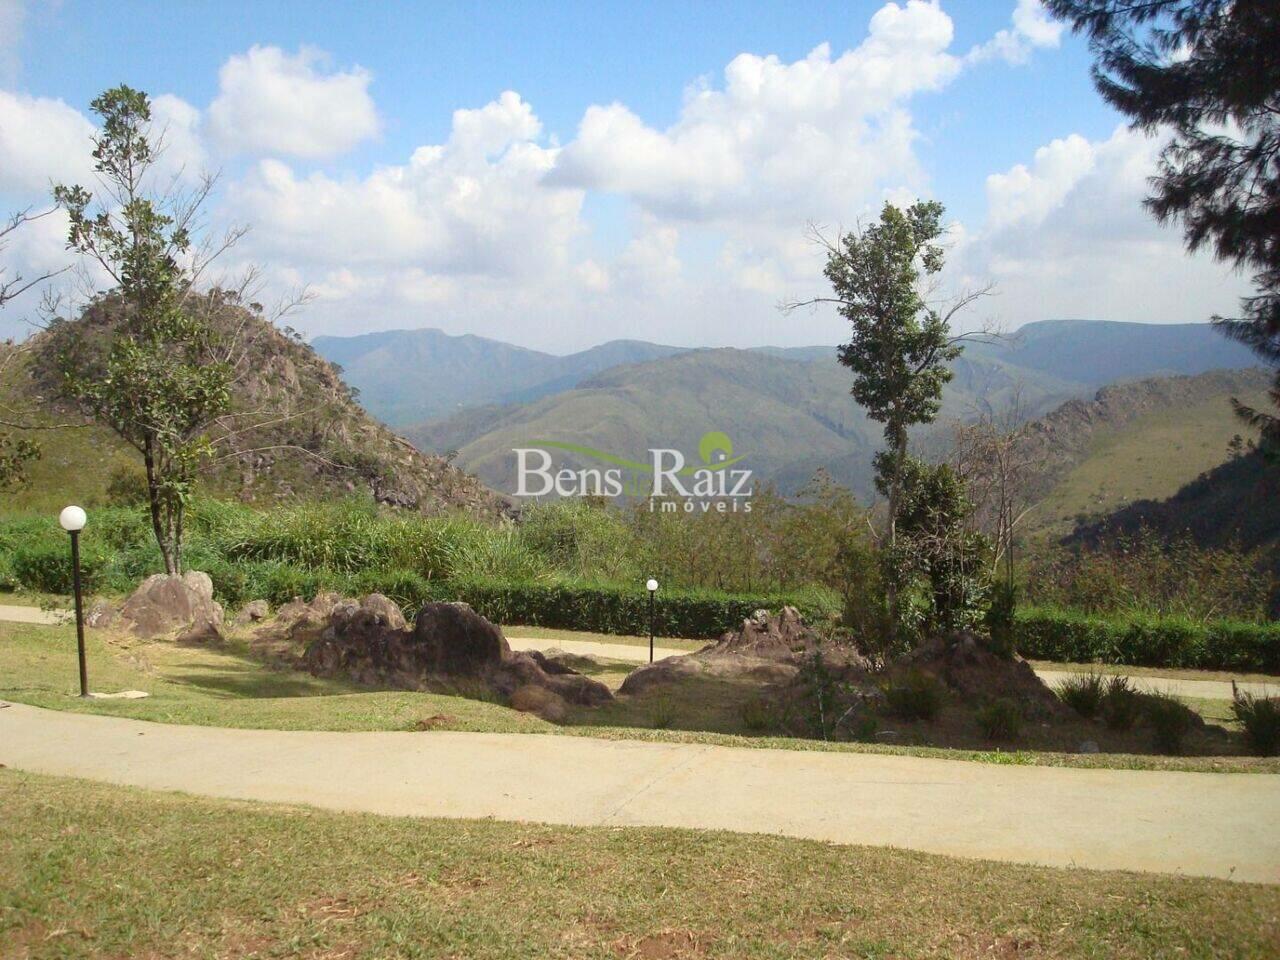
{"x": 1131, "y": 441}
{"x": 295, "y": 430}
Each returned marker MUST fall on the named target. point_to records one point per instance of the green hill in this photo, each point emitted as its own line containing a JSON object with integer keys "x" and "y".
{"x": 787, "y": 417}
{"x": 1133, "y": 441}
{"x": 407, "y": 376}
{"x": 326, "y": 445}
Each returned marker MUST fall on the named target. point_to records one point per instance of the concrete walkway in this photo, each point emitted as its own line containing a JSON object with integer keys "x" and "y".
{"x": 34, "y": 615}
{"x": 1220, "y": 825}
{"x": 1177, "y": 686}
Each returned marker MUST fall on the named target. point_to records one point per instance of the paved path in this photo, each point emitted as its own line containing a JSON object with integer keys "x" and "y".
{"x": 1194, "y": 823}
{"x": 33, "y": 615}
{"x": 632, "y": 653}
{"x": 1178, "y": 686}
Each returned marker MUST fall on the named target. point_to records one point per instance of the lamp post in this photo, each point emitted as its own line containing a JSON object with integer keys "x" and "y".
{"x": 73, "y": 520}
{"x": 652, "y": 586}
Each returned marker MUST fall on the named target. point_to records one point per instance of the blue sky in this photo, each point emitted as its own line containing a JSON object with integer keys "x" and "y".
{"x": 559, "y": 232}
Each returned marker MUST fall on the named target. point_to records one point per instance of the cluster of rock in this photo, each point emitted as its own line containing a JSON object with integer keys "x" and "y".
{"x": 766, "y": 648}
{"x": 370, "y": 641}
{"x": 965, "y": 665}
{"x": 163, "y": 605}
{"x": 367, "y": 640}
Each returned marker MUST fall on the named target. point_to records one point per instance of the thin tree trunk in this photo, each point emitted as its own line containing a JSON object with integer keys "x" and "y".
{"x": 158, "y": 521}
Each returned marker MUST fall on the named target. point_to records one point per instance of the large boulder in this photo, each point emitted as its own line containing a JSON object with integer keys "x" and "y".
{"x": 165, "y": 603}
{"x": 766, "y": 649}
{"x": 370, "y": 642}
{"x": 963, "y": 663}
{"x": 453, "y": 639}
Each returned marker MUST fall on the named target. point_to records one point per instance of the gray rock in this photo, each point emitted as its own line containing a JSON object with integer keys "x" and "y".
{"x": 1089, "y": 746}
{"x": 100, "y": 616}
{"x": 163, "y": 604}
{"x": 253, "y": 612}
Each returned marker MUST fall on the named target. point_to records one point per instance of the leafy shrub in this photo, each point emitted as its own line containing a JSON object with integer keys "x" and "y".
{"x": 1000, "y": 618}
{"x": 1144, "y": 575}
{"x": 610, "y": 608}
{"x": 757, "y": 714}
{"x": 1170, "y": 721}
{"x": 1083, "y": 693}
{"x": 999, "y": 720}
{"x": 662, "y": 712}
{"x": 1061, "y": 635}
{"x": 1121, "y": 704}
{"x": 824, "y": 706}
{"x": 1260, "y": 718}
{"x": 914, "y": 696}
{"x": 46, "y": 567}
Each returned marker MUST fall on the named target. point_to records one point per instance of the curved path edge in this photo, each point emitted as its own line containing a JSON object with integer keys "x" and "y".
{"x": 1204, "y": 824}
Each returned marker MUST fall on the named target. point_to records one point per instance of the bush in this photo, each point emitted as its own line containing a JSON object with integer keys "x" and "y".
{"x": 1083, "y": 693}
{"x": 999, "y": 720}
{"x": 1144, "y": 574}
{"x": 914, "y": 696}
{"x": 610, "y": 608}
{"x": 1050, "y": 634}
{"x": 757, "y": 715}
{"x": 1170, "y": 721}
{"x": 46, "y": 567}
{"x": 1260, "y": 718}
{"x": 1121, "y": 704}
{"x": 662, "y": 712}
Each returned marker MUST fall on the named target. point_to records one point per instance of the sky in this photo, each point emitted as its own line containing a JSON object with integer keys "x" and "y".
{"x": 559, "y": 175}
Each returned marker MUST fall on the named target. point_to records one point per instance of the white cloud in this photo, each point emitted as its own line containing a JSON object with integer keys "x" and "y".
{"x": 1067, "y": 236}
{"x": 781, "y": 142}
{"x": 272, "y": 102}
{"x": 1025, "y": 193}
{"x": 41, "y": 141}
{"x": 1032, "y": 27}
{"x": 472, "y": 205}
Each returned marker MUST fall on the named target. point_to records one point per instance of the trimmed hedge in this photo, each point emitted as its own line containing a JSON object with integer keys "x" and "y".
{"x": 697, "y": 615}
{"x": 1048, "y": 634}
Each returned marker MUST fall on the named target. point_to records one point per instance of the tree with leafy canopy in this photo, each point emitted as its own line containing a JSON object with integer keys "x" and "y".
{"x": 152, "y": 358}
{"x": 1207, "y": 73}
{"x": 901, "y": 343}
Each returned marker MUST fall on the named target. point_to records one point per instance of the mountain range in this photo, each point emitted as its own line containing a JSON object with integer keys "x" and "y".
{"x": 787, "y": 409}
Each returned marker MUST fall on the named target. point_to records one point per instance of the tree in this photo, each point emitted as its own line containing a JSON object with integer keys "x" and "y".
{"x": 16, "y": 453}
{"x": 153, "y": 359}
{"x": 1208, "y": 73}
{"x": 991, "y": 454}
{"x": 901, "y": 343}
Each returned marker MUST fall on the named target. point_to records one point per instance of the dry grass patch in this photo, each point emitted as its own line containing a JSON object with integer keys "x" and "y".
{"x": 120, "y": 872}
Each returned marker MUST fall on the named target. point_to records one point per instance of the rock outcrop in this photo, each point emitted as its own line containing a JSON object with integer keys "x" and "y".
{"x": 165, "y": 603}
{"x": 370, "y": 642}
{"x": 767, "y": 648}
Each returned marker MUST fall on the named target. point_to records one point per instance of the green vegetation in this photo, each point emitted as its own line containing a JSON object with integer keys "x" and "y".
{"x": 1146, "y": 452}
{"x": 231, "y": 686}
{"x": 1060, "y": 635}
{"x": 1260, "y": 719}
{"x": 1147, "y": 575}
{"x": 94, "y": 871}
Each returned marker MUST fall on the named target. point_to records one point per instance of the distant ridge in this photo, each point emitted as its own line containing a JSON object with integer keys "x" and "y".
{"x": 408, "y": 377}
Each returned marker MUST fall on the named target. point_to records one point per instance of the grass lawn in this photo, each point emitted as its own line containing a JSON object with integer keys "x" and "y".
{"x": 229, "y": 687}
{"x": 90, "y": 870}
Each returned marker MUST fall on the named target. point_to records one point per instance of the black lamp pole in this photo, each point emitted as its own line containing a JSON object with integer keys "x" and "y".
{"x": 651, "y": 593}
{"x": 75, "y": 579}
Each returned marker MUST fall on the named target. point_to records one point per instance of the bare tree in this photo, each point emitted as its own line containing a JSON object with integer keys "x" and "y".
{"x": 992, "y": 455}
